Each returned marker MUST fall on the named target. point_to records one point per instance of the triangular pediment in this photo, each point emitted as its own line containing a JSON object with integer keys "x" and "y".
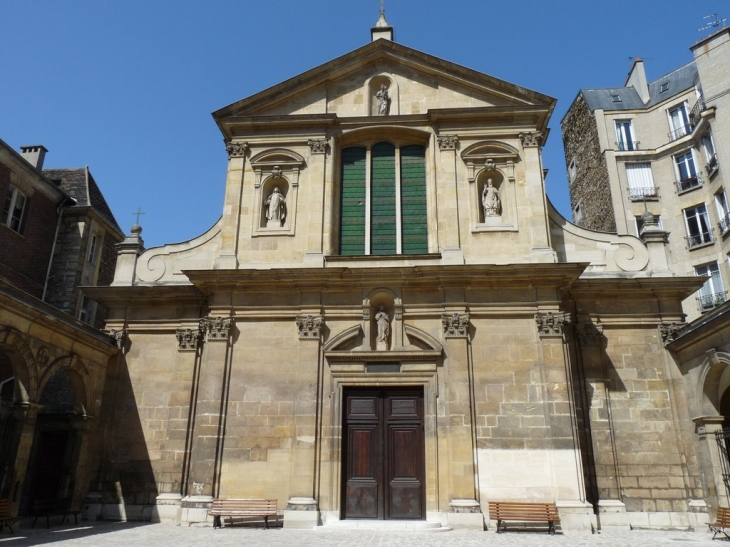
{"x": 417, "y": 82}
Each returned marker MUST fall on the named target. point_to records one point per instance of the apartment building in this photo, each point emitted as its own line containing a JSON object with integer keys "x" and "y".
{"x": 658, "y": 147}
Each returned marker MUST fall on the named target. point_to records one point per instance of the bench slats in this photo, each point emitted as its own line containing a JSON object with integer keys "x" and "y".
{"x": 722, "y": 522}
{"x": 524, "y": 512}
{"x": 237, "y": 507}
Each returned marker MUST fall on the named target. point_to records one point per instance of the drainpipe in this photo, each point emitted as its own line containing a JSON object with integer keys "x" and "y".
{"x": 59, "y": 212}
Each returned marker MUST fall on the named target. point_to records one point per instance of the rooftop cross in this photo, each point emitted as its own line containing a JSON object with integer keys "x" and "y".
{"x": 138, "y": 212}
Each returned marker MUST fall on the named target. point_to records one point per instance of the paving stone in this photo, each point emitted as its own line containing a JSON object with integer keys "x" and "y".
{"x": 109, "y": 534}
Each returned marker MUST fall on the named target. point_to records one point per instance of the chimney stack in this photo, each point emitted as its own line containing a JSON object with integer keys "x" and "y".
{"x": 637, "y": 80}
{"x": 34, "y": 155}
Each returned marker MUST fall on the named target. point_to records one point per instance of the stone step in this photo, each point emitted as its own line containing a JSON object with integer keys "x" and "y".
{"x": 385, "y": 525}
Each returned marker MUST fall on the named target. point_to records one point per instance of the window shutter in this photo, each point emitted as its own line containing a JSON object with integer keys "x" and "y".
{"x": 352, "y": 217}
{"x": 382, "y": 220}
{"x": 413, "y": 200}
{"x": 638, "y": 176}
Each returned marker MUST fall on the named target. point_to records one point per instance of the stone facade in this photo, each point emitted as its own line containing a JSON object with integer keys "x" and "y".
{"x": 517, "y": 356}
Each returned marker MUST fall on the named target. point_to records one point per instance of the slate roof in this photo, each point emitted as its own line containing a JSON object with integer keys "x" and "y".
{"x": 84, "y": 190}
{"x": 679, "y": 80}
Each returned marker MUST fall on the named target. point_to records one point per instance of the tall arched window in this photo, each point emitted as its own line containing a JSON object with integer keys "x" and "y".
{"x": 383, "y": 207}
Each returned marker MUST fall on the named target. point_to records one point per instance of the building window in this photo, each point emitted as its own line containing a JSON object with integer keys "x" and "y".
{"x": 625, "y": 136}
{"x": 723, "y": 213}
{"x": 93, "y": 248}
{"x": 697, "y": 224}
{"x": 640, "y": 181}
{"x": 664, "y": 87}
{"x": 86, "y": 310}
{"x": 577, "y": 213}
{"x": 709, "y": 145}
{"x": 616, "y": 98}
{"x": 639, "y": 221}
{"x": 572, "y": 170}
{"x": 712, "y": 292}
{"x": 14, "y": 208}
{"x": 678, "y": 122}
{"x": 383, "y": 202}
{"x": 687, "y": 177}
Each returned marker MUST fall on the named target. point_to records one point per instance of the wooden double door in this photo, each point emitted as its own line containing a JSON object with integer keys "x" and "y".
{"x": 383, "y": 454}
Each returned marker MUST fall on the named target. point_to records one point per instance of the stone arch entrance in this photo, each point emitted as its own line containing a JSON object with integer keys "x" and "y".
{"x": 50, "y": 479}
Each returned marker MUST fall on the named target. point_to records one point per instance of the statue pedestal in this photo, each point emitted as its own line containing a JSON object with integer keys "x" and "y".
{"x": 382, "y": 346}
{"x": 273, "y": 223}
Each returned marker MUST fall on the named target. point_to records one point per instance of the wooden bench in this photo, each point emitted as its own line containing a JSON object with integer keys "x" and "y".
{"x": 54, "y": 508}
{"x": 241, "y": 508}
{"x": 722, "y": 522}
{"x": 502, "y": 511}
{"x": 6, "y": 516}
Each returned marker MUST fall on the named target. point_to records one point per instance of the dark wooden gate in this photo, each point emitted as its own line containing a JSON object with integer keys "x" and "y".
{"x": 383, "y": 454}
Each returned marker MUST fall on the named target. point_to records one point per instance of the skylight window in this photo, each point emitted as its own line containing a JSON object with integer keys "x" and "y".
{"x": 664, "y": 87}
{"x": 616, "y": 98}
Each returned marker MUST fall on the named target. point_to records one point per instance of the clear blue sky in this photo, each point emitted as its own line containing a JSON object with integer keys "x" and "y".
{"x": 127, "y": 88}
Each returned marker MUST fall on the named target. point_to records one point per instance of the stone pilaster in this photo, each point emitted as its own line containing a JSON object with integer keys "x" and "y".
{"x": 448, "y": 200}
{"x": 231, "y": 219}
{"x": 706, "y": 427}
{"x": 455, "y": 421}
{"x": 536, "y": 198}
{"x": 127, "y": 253}
{"x": 24, "y": 447}
{"x": 206, "y": 449}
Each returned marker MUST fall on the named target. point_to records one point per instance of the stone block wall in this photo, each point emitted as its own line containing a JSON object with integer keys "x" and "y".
{"x": 589, "y": 189}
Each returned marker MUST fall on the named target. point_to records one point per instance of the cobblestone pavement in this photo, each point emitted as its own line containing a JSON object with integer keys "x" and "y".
{"x": 165, "y": 535}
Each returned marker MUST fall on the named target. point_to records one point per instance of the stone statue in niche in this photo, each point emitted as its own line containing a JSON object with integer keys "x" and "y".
{"x": 275, "y": 209}
{"x": 383, "y": 100}
{"x": 491, "y": 201}
{"x": 383, "y": 321}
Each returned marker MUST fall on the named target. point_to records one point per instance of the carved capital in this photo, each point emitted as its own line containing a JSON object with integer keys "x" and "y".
{"x": 188, "y": 339}
{"x": 216, "y": 329}
{"x": 447, "y": 142}
{"x": 589, "y": 334}
{"x": 533, "y": 138}
{"x": 551, "y": 324}
{"x": 118, "y": 335}
{"x": 236, "y": 149}
{"x": 317, "y": 146}
{"x": 455, "y": 325}
{"x": 669, "y": 331}
{"x": 309, "y": 327}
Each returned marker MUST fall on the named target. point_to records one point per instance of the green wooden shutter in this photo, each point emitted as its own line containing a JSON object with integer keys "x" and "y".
{"x": 352, "y": 217}
{"x": 382, "y": 217}
{"x": 414, "y": 222}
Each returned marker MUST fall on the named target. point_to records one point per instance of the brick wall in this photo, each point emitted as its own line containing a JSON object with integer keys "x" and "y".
{"x": 24, "y": 256}
{"x": 590, "y": 188}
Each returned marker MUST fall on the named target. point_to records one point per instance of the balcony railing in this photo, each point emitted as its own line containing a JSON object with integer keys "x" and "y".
{"x": 709, "y": 301}
{"x": 687, "y": 184}
{"x": 697, "y": 109}
{"x": 680, "y": 132}
{"x": 724, "y": 224}
{"x": 639, "y": 193}
{"x": 627, "y": 145}
{"x": 712, "y": 165}
{"x": 702, "y": 238}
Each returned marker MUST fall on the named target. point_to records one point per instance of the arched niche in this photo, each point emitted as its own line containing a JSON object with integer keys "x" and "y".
{"x": 276, "y": 168}
{"x": 274, "y": 210}
{"x": 493, "y": 160}
{"x": 374, "y": 94}
{"x": 490, "y": 188}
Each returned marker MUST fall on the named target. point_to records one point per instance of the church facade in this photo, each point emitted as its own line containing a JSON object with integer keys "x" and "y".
{"x": 391, "y": 322}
